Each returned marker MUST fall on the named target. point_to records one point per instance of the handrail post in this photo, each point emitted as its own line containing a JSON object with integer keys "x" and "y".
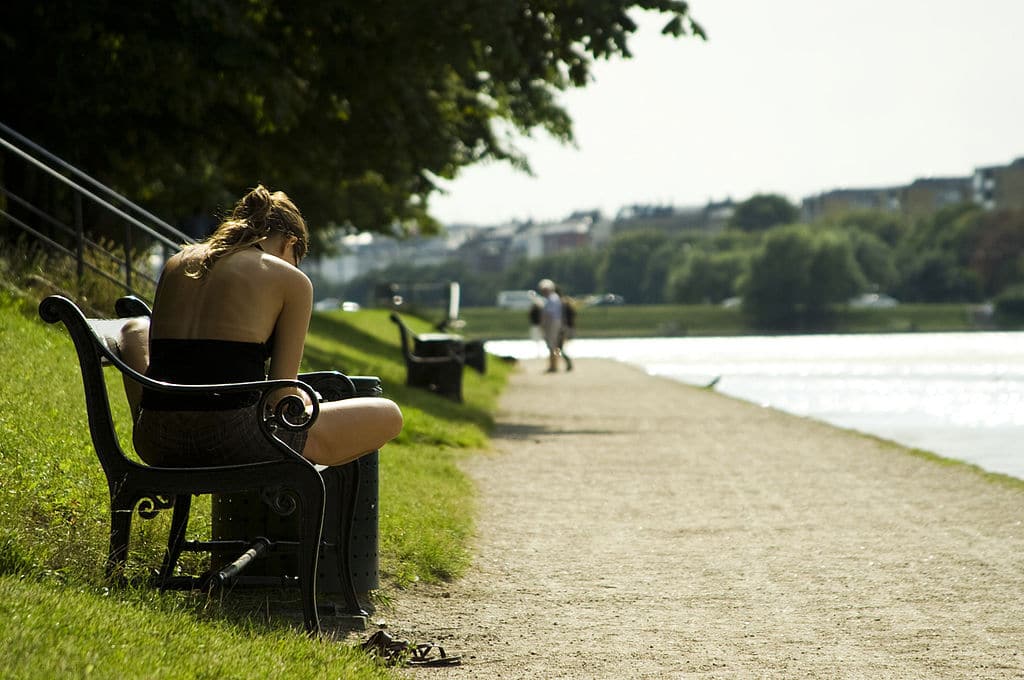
{"x": 128, "y": 258}
{"x": 79, "y": 240}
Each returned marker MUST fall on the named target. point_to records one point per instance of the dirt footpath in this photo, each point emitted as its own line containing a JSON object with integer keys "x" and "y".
{"x": 634, "y": 527}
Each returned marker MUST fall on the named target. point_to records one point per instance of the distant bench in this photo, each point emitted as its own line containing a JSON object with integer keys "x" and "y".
{"x": 434, "y": 361}
{"x": 323, "y": 497}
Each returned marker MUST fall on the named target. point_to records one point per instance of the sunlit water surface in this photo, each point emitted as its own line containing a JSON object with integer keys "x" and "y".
{"x": 959, "y": 395}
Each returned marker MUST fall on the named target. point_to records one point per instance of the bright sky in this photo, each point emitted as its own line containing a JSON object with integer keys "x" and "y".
{"x": 792, "y": 96}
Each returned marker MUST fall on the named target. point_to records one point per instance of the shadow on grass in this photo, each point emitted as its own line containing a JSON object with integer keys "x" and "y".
{"x": 334, "y": 327}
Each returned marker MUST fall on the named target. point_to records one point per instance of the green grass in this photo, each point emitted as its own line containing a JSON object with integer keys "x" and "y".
{"x": 62, "y": 631}
{"x": 638, "y": 321}
{"x": 54, "y": 516}
{"x": 907, "y": 318}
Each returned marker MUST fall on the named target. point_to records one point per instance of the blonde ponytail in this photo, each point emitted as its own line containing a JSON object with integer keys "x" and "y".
{"x": 254, "y": 218}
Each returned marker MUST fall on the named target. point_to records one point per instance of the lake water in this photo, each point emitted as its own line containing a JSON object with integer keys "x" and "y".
{"x": 959, "y": 395}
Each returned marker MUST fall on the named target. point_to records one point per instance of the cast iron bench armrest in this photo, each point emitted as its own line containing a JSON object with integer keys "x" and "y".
{"x": 330, "y": 385}
{"x": 288, "y": 412}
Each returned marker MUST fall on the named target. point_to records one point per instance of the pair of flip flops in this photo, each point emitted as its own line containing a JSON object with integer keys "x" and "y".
{"x": 394, "y": 652}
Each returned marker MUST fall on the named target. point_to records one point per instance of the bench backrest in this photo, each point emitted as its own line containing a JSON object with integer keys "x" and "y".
{"x": 406, "y": 334}
{"x": 96, "y": 342}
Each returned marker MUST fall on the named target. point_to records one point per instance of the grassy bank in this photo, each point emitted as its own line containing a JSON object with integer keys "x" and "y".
{"x": 58, "y": 616}
{"x": 625, "y": 321}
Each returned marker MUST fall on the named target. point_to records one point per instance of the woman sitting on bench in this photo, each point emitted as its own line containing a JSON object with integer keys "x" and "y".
{"x": 222, "y": 308}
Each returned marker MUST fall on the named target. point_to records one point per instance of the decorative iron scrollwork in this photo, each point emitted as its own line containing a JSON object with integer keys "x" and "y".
{"x": 150, "y": 506}
{"x": 290, "y": 413}
{"x": 281, "y": 500}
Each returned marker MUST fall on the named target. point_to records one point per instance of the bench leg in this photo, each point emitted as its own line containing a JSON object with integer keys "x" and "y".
{"x": 120, "y": 531}
{"x": 349, "y": 497}
{"x": 179, "y": 524}
{"x": 310, "y": 534}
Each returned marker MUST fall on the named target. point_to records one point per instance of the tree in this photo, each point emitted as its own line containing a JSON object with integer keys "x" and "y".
{"x": 572, "y": 271}
{"x": 798, "y": 275}
{"x": 935, "y": 276}
{"x": 934, "y": 258}
{"x": 626, "y": 267}
{"x": 876, "y": 260}
{"x": 355, "y": 108}
{"x": 763, "y": 211}
{"x": 834, "y": 276}
{"x": 773, "y": 286}
{"x": 656, "y": 273}
{"x": 705, "y": 277}
{"x": 998, "y": 250}
{"x": 890, "y": 227}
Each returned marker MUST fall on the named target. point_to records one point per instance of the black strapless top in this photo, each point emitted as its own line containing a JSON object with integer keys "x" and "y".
{"x": 204, "y": 362}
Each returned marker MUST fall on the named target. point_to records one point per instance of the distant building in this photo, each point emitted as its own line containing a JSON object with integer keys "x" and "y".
{"x": 368, "y": 252}
{"x": 705, "y": 219}
{"x": 570, "y": 234}
{"x": 360, "y": 254}
{"x": 839, "y": 201}
{"x": 718, "y": 214}
{"x": 1000, "y": 186}
{"x": 489, "y": 249}
{"x": 992, "y": 187}
{"x": 929, "y": 195}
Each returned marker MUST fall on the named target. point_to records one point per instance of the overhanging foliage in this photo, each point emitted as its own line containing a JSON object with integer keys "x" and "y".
{"x": 355, "y": 108}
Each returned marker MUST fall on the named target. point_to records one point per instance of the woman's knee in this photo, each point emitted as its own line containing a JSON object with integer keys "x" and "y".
{"x": 384, "y": 418}
{"x": 134, "y": 343}
{"x": 376, "y": 417}
{"x": 396, "y": 418}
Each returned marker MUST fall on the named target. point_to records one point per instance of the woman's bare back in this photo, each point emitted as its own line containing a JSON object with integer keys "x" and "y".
{"x": 239, "y": 299}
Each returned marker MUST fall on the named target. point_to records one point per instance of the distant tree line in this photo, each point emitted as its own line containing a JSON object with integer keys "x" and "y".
{"x": 789, "y": 275}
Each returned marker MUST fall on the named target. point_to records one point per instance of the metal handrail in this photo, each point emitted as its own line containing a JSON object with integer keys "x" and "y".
{"x": 84, "y": 187}
{"x": 98, "y": 186}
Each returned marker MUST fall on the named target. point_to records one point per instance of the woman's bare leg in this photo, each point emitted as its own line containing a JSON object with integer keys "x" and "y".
{"x": 349, "y": 428}
{"x": 135, "y": 352}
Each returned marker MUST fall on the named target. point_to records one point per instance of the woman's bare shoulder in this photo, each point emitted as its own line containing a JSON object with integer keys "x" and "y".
{"x": 187, "y": 254}
{"x": 296, "y": 280}
{"x": 288, "y": 273}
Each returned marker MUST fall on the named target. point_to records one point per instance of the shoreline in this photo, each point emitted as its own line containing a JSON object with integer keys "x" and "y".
{"x": 954, "y": 395}
{"x": 672, "y": 320}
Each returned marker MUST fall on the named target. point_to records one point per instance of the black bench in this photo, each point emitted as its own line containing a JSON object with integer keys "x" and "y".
{"x": 288, "y": 486}
{"x": 475, "y": 355}
{"x": 433, "y": 361}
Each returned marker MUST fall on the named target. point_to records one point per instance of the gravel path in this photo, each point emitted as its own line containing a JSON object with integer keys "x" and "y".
{"x": 634, "y": 527}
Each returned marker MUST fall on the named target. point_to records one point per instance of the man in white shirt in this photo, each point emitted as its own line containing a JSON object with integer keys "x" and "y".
{"x": 551, "y": 321}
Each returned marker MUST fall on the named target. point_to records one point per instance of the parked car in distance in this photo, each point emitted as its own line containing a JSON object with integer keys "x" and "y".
{"x": 606, "y": 299}
{"x": 328, "y": 304}
{"x": 872, "y": 301}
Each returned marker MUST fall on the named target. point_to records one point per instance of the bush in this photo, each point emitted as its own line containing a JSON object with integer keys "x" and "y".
{"x": 1009, "y": 305}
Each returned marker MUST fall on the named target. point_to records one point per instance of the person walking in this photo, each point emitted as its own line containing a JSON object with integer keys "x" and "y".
{"x": 568, "y": 326}
{"x": 551, "y": 321}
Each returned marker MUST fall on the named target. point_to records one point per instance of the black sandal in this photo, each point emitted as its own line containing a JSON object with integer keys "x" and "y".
{"x": 390, "y": 650}
{"x": 421, "y": 656}
{"x": 394, "y": 651}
